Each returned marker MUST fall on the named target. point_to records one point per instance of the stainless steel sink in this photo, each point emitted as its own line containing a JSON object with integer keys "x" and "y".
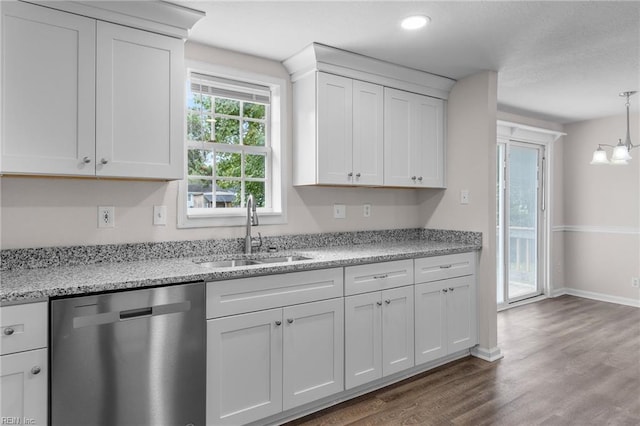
{"x": 230, "y": 263}
{"x": 282, "y": 259}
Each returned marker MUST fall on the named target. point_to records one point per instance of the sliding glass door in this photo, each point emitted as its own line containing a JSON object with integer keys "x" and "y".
{"x": 520, "y": 207}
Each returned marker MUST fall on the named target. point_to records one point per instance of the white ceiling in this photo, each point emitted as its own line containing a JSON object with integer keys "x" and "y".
{"x": 559, "y": 61}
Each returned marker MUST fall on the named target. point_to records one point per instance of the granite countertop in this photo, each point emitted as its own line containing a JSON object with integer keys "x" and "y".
{"x": 39, "y": 284}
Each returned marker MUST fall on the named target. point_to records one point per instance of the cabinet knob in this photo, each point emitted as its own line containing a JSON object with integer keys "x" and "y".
{"x": 350, "y": 174}
{"x": 86, "y": 160}
{"x": 379, "y": 303}
{"x": 420, "y": 178}
{"x": 387, "y": 301}
{"x": 8, "y": 331}
{"x": 358, "y": 175}
{"x": 290, "y": 320}
{"x": 278, "y": 322}
{"x": 413, "y": 178}
{"x": 445, "y": 266}
{"x": 104, "y": 161}
{"x": 444, "y": 290}
{"x": 451, "y": 288}
{"x": 35, "y": 370}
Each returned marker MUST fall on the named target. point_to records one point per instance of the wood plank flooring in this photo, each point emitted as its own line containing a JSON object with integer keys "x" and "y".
{"x": 567, "y": 361}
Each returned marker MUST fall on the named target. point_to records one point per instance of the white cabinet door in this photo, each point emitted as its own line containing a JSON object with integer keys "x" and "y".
{"x": 244, "y": 367}
{"x": 445, "y": 317}
{"x": 379, "y": 334}
{"x": 413, "y": 140}
{"x": 397, "y": 330}
{"x": 48, "y": 91}
{"x": 430, "y": 322}
{"x": 23, "y": 386}
{"x": 461, "y": 313}
{"x": 398, "y": 134}
{"x": 139, "y": 126}
{"x": 313, "y": 351}
{"x": 363, "y": 338}
{"x": 428, "y": 148}
{"x": 335, "y": 129}
{"x": 368, "y": 151}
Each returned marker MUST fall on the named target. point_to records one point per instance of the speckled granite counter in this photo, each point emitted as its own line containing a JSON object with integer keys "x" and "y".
{"x": 23, "y": 285}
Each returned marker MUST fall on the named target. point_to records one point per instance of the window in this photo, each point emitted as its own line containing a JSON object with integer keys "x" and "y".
{"x": 233, "y": 146}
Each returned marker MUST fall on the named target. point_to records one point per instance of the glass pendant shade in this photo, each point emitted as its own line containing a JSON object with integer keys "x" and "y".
{"x": 619, "y": 162}
{"x": 620, "y": 153}
{"x": 599, "y": 157}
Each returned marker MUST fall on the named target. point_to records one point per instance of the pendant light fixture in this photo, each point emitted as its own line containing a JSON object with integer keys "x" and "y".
{"x": 620, "y": 155}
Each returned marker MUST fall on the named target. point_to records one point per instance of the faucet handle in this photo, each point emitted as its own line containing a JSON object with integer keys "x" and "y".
{"x": 257, "y": 244}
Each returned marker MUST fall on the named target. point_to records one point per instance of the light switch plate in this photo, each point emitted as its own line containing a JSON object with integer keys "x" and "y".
{"x": 106, "y": 217}
{"x": 339, "y": 211}
{"x": 159, "y": 215}
{"x": 366, "y": 210}
{"x": 464, "y": 196}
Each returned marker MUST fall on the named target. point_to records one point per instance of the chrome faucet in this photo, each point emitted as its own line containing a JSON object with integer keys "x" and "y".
{"x": 252, "y": 220}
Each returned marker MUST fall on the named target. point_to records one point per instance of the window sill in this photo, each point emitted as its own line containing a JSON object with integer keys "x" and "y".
{"x": 235, "y": 219}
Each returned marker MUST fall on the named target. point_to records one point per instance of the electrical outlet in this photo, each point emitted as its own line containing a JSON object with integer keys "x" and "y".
{"x": 339, "y": 211}
{"x": 106, "y": 217}
{"x": 159, "y": 215}
{"x": 635, "y": 282}
{"x": 366, "y": 210}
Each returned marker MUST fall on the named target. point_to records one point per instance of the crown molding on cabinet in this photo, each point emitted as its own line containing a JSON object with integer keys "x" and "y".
{"x": 160, "y": 17}
{"x": 319, "y": 57}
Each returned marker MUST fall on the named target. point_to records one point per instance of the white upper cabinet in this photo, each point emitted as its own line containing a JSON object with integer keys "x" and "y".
{"x": 368, "y": 135}
{"x": 413, "y": 140}
{"x": 87, "y": 98}
{"x": 338, "y": 131}
{"x": 48, "y": 91}
{"x": 362, "y": 121}
{"x": 139, "y": 109}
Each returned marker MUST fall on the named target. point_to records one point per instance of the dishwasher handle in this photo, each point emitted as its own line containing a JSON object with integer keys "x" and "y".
{"x": 131, "y": 314}
{"x": 135, "y": 313}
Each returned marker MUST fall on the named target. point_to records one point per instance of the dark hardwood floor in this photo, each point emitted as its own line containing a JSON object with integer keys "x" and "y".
{"x": 567, "y": 361}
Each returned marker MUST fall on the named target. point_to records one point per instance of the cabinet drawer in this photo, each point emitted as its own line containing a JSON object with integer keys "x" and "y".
{"x": 377, "y": 276}
{"x": 253, "y": 294}
{"x": 23, "y": 327}
{"x": 443, "y": 267}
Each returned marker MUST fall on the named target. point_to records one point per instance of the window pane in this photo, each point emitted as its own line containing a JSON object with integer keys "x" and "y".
{"x": 198, "y": 126}
{"x": 255, "y": 166}
{"x": 257, "y": 189}
{"x": 227, "y": 106}
{"x": 199, "y": 193}
{"x": 228, "y": 193}
{"x": 253, "y": 133}
{"x": 228, "y": 164}
{"x": 227, "y": 131}
{"x": 200, "y": 162}
{"x": 253, "y": 110}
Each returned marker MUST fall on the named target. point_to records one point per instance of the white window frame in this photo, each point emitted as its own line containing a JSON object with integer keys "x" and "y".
{"x": 275, "y": 210}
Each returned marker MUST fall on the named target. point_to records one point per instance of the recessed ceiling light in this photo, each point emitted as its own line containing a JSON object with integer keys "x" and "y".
{"x": 414, "y": 22}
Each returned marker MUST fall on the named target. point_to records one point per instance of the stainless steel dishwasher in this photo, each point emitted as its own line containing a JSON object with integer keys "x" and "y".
{"x": 129, "y": 358}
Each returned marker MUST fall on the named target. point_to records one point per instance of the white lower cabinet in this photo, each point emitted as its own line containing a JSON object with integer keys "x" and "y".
{"x": 23, "y": 386}
{"x": 445, "y": 317}
{"x": 261, "y": 363}
{"x": 23, "y": 364}
{"x": 313, "y": 345}
{"x": 378, "y": 334}
{"x": 244, "y": 367}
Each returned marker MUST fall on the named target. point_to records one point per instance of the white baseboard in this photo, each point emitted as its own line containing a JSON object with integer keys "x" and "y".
{"x": 596, "y": 296}
{"x": 490, "y": 355}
